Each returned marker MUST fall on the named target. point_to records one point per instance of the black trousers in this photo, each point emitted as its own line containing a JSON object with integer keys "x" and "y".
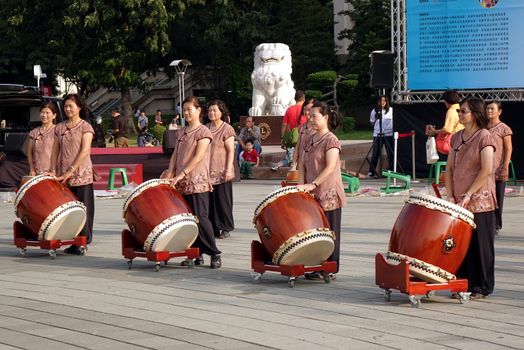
{"x": 377, "y": 149}
{"x": 479, "y": 265}
{"x": 86, "y": 195}
{"x": 334, "y": 218}
{"x": 500, "y": 188}
{"x": 199, "y": 203}
{"x": 221, "y": 207}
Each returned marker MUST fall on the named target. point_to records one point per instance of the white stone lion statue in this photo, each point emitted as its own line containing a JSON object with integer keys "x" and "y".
{"x": 273, "y": 89}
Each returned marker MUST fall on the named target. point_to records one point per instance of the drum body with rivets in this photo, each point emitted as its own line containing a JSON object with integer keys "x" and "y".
{"x": 159, "y": 218}
{"x": 434, "y": 231}
{"x": 293, "y": 228}
{"x": 49, "y": 209}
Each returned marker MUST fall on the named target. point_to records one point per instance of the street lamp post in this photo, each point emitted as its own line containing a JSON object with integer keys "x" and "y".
{"x": 181, "y": 68}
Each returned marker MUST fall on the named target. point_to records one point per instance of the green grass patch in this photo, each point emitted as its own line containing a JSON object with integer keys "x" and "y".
{"x": 354, "y": 135}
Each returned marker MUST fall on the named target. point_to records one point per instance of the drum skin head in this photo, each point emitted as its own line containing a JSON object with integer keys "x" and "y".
{"x": 174, "y": 234}
{"x": 64, "y": 226}
{"x": 421, "y": 269}
{"x": 309, "y": 248}
{"x": 309, "y": 255}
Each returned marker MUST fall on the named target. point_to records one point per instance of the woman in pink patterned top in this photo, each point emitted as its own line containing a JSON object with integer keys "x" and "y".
{"x": 41, "y": 141}
{"x": 319, "y": 171}
{"x": 72, "y": 161}
{"x": 189, "y": 171}
{"x": 470, "y": 182}
{"x": 221, "y": 169}
{"x": 502, "y": 136}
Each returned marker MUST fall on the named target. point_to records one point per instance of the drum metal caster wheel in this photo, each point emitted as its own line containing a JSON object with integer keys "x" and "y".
{"x": 414, "y": 300}
{"x": 52, "y": 254}
{"x": 189, "y": 263}
{"x": 157, "y": 267}
{"x": 328, "y": 277}
{"x": 22, "y": 251}
{"x": 463, "y": 297}
{"x": 83, "y": 250}
{"x": 257, "y": 277}
{"x": 129, "y": 264}
{"x": 387, "y": 295}
{"x": 291, "y": 282}
{"x": 430, "y": 294}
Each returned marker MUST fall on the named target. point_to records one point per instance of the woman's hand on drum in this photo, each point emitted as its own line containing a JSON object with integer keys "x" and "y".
{"x": 48, "y": 173}
{"x": 451, "y": 199}
{"x": 307, "y": 187}
{"x": 166, "y": 174}
{"x": 67, "y": 175}
{"x": 464, "y": 200}
{"x": 32, "y": 173}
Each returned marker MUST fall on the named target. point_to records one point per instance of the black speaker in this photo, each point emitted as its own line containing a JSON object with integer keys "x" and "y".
{"x": 382, "y": 69}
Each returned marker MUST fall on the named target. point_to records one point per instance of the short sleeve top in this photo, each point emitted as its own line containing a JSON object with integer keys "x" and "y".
{"x": 70, "y": 140}
{"x": 451, "y": 124}
{"x": 197, "y": 180}
{"x": 465, "y": 158}
{"x": 254, "y": 134}
{"x": 217, "y": 167}
{"x": 330, "y": 193}
{"x": 498, "y": 132}
{"x": 43, "y": 141}
{"x": 304, "y": 131}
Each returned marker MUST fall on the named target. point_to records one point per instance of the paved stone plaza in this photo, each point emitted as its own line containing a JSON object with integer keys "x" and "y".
{"x": 95, "y": 302}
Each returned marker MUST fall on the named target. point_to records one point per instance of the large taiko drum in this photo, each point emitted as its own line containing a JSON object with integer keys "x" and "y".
{"x": 49, "y": 209}
{"x": 293, "y": 228}
{"x": 433, "y": 234}
{"x": 159, "y": 217}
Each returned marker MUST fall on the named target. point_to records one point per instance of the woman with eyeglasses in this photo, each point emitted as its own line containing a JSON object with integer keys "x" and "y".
{"x": 470, "y": 183}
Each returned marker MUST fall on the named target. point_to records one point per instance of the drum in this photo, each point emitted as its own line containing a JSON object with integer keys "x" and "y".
{"x": 292, "y": 178}
{"x": 293, "y": 228}
{"x": 434, "y": 232}
{"x": 49, "y": 209}
{"x": 159, "y": 217}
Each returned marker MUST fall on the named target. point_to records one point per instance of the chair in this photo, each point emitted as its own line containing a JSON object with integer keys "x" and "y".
{"x": 351, "y": 183}
{"x": 112, "y": 174}
{"x": 395, "y": 188}
{"x": 435, "y": 171}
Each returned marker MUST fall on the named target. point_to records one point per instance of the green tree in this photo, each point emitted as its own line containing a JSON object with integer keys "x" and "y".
{"x": 118, "y": 40}
{"x": 372, "y": 31}
{"x": 307, "y": 27}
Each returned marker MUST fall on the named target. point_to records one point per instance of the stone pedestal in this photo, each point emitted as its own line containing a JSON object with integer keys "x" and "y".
{"x": 269, "y": 125}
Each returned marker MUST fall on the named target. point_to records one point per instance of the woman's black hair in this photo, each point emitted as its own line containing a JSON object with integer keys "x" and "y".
{"x": 325, "y": 109}
{"x": 221, "y": 106}
{"x": 478, "y": 110}
{"x": 81, "y": 103}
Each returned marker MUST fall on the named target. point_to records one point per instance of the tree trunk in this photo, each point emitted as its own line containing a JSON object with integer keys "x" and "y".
{"x": 127, "y": 110}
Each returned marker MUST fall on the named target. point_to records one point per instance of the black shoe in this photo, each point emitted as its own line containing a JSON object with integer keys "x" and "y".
{"x": 73, "y": 250}
{"x": 224, "y": 234}
{"x": 475, "y": 296}
{"x": 199, "y": 261}
{"x": 216, "y": 262}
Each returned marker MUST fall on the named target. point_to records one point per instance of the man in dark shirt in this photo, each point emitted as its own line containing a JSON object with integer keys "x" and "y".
{"x": 119, "y": 129}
